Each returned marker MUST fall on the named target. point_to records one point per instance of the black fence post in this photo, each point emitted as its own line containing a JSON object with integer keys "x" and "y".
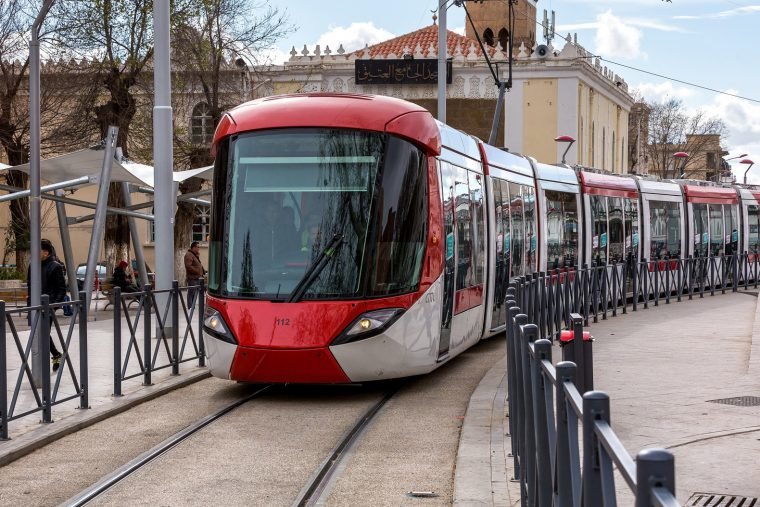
{"x": 175, "y": 327}
{"x": 690, "y": 274}
{"x": 746, "y": 270}
{"x": 614, "y": 289}
{"x": 680, "y": 279}
{"x": 513, "y": 386}
{"x": 655, "y": 468}
{"x": 147, "y": 335}
{"x": 84, "y": 368}
{"x": 596, "y": 407}
{"x": 565, "y": 468}
{"x": 724, "y": 272}
{"x": 43, "y": 327}
{"x": 635, "y": 281}
{"x": 595, "y": 292}
{"x": 645, "y": 282}
{"x": 566, "y": 289}
{"x": 3, "y": 377}
{"x": 117, "y": 341}
{"x": 667, "y": 281}
{"x": 585, "y": 296}
{"x": 526, "y": 337}
{"x": 520, "y": 320}
{"x": 604, "y": 291}
{"x": 544, "y": 424}
{"x": 624, "y": 288}
{"x": 200, "y": 297}
{"x": 656, "y": 282}
{"x": 735, "y": 263}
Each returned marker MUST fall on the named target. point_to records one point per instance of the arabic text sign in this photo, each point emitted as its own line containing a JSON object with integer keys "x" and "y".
{"x": 399, "y": 71}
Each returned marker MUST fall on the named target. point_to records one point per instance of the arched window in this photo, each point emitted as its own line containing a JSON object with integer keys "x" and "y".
{"x": 604, "y": 152}
{"x": 504, "y": 39}
{"x": 580, "y": 144}
{"x": 488, "y": 36}
{"x": 593, "y": 135}
{"x": 201, "y": 124}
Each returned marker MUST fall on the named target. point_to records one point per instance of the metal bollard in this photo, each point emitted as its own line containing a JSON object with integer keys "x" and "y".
{"x": 116, "y": 341}
{"x": 3, "y": 378}
{"x": 568, "y": 479}
{"x": 84, "y": 379}
{"x": 200, "y": 296}
{"x": 147, "y": 332}
{"x": 544, "y": 423}
{"x": 576, "y": 348}
{"x": 175, "y": 326}
{"x": 655, "y": 468}
{"x": 596, "y": 407}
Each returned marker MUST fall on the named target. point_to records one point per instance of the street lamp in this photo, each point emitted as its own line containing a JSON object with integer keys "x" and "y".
{"x": 678, "y": 156}
{"x": 565, "y": 139}
{"x": 746, "y": 161}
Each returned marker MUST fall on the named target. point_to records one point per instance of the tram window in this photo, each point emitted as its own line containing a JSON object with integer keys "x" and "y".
{"x": 402, "y": 221}
{"x": 631, "y": 223}
{"x": 478, "y": 227}
{"x": 753, "y": 221}
{"x": 599, "y": 238}
{"x": 506, "y": 225}
{"x": 658, "y": 229}
{"x": 715, "y": 212}
{"x": 562, "y": 229}
{"x": 516, "y": 212}
{"x": 531, "y": 241}
{"x": 701, "y": 234}
{"x": 732, "y": 229}
{"x": 463, "y": 221}
{"x": 674, "y": 229}
{"x": 616, "y": 234}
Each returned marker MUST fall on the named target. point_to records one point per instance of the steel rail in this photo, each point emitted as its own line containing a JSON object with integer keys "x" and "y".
{"x": 313, "y": 493}
{"x": 123, "y": 472}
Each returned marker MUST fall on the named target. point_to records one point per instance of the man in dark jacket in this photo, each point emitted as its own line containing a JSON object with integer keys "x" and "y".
{"x": 52, "y": 284}
{"x": 194, "y": 271}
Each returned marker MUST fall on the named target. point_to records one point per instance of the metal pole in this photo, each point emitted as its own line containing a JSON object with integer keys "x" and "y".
{"x": 98, "y": 228}
{"x": 68, "y": 253}
{"x": 497, "y": 114}
{"x": 47, "y": 188}
{"x": 165, "y": 197}
{"x": 136, "y": 243}
{"x": 3, "y": 377}
{"x": 442, "y": 48}
{"x": 38, "y": 362}
{"x": 84, "y": 376}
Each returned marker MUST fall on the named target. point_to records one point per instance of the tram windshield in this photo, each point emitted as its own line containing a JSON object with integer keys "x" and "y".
{"x": 324, "y": 213}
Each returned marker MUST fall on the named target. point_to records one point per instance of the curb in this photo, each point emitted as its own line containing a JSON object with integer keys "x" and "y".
{"x": 30, "y": 441}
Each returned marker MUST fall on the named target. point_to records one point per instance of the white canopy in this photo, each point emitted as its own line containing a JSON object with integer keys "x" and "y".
{"x": 89, "y": 162}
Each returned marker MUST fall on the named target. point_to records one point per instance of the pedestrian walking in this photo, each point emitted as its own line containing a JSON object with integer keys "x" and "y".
{"x": 53, "y": 285}
{"x": 194, "y": 271}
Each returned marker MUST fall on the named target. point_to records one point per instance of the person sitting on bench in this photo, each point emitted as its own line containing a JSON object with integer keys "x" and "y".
{"x": 123, "y": 279}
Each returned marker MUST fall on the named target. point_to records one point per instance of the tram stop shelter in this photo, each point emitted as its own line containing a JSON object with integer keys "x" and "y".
{"x": 100, "y": 165}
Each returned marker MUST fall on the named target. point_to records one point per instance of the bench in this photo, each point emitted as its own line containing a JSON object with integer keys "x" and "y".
{"x": 13, "y": 294}
{"x": 106, "y": 289}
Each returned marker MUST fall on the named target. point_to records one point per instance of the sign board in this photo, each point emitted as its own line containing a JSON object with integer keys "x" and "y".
{"x": 423, "y": 71}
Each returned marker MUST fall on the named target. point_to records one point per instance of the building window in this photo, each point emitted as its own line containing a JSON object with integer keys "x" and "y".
{"x": 201, "y": 223}
{"x": 712, "y": 161}
{"x": 604, "y": 148}
{"x": 488, "y": 37}
{"x": 613, "y": 152}
{"x": 593, "y": 135}
{"x": 201, "y": 124}
{"x": 504, "y": 39}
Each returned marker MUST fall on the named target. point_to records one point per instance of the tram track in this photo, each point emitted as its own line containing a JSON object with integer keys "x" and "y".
{"x": 314, "y": 492}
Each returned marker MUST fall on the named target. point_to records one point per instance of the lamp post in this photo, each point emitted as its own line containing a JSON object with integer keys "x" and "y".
{"x": 565, "y": 139}
{"x": 680, "y": 155}
{"x": 746, "y": 161}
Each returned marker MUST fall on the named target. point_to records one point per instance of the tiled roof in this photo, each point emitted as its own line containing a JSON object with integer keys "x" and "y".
{"x": 424, "y": 37}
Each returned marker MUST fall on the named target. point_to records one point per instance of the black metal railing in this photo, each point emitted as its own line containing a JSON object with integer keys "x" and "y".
{"x": 45, "y": 389}
{"x": 34, "y": 392}
{"x": 184, "y": 305}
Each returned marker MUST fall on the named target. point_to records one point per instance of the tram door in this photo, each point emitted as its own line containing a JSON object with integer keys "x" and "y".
{"x": 449, "y": 247}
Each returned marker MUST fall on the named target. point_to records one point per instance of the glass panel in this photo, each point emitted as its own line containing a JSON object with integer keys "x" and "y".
{"x": 518, "y": 233}
{"x": 753, "y": 216}
{"x": 463, "y": 221}
{"x": 497, "y": 249}
{"x": 599, "y": 237}
{"x": 732, "y": 229}
{"x": 478, "y": 227}
{"x": 294, "y": 197}
{"x": 658, "y": 226}
{"x": 506, "y": 224}
{"x": 631, "y": 211}
{"x": 616, "y": 236}
{"x": 674, "y": 229}
{"x": 701, "y": 235}
{"x": 562, "y": 229}
{"x": 716, "y": 229}
{"x": 531, "y": 240}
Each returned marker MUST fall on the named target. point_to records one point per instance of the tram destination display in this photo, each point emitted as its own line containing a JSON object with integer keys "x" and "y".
{"x": 406, "y": 71}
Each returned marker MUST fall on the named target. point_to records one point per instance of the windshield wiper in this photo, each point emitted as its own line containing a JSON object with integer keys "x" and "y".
{"x": 316, "y": 268}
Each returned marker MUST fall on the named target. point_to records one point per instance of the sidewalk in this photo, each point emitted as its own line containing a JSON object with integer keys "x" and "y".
{"x": 684, "y": 376}
{"x": 27, "y": 433}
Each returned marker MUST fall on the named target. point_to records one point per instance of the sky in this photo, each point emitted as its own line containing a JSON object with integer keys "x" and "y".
{"x": 678, "y": 44}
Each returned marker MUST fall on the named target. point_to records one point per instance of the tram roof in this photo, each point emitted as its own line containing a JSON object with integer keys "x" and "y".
{"x": 458, "y": 141}
{"x": 608, "y": 184}
{"x": 334, "y": 110}
{"x": 556, "y": 173}
{"x": 710, "y": 195}
{"x": 507, "y": 161}
{"x": 659, "y": 187}
{"x": 749, "y": 194}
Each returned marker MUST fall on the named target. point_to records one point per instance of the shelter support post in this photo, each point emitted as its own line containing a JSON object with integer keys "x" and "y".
{"x": 68, "y": 253}
{"x": 136, "y": 243}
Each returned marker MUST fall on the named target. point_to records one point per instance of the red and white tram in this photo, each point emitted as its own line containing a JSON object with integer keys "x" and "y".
{"x": 355, "y": 238}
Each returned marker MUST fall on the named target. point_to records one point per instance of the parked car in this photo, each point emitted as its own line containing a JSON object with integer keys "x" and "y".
{"x": 102, "y": 274}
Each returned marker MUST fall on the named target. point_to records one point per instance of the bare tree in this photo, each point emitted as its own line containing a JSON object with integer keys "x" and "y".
{"x": 216, "y": 44}
{"x": 672, "y": 129}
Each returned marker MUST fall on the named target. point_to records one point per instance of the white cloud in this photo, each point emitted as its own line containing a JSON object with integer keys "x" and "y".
{"x": 273, "y": 56}
{"x": 459, "y": 30}
{"x": 747, "y": 9}
{"x": 660, "y": 92}
{"x": 614, "y": 37}
{"x": 353, "y": 37}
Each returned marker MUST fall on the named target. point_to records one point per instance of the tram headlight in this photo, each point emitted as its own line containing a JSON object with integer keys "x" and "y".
{"x": 214, "y": 324}
{"x": 369, "y": 324}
